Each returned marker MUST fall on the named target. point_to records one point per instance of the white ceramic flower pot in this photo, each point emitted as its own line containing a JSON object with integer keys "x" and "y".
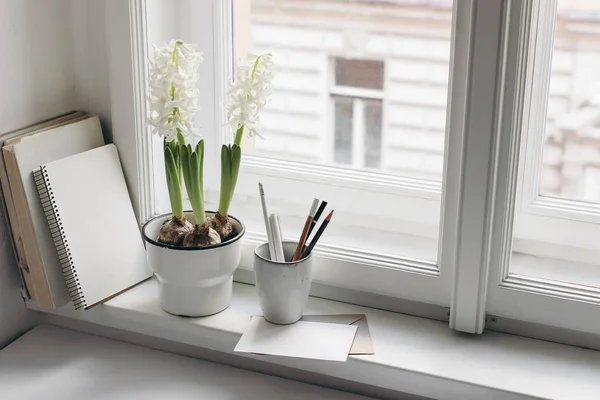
{"x": 193, "y": 282}
{"x": 283, "y": 288}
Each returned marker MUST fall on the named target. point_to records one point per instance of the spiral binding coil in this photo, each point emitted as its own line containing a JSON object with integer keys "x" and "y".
{"x": 58, "y": 236}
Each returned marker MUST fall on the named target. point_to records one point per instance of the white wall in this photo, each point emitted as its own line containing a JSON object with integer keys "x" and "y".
{"x": 36, "y": 68}
{"x": 14, "y": 318}
{"x": 37, "y": 81}
{"x": 91, "y": 72}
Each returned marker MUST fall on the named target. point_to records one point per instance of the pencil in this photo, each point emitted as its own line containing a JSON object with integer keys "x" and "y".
{"x": 316, "y": 218}
{"x": 311, "y": 215}
{"x": 263, "y": 202}
{"x": 279, "y": 255}
{"x": 317, "y": 235}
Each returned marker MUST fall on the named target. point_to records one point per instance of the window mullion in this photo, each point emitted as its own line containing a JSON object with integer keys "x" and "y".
{"x": 470, "y": 153}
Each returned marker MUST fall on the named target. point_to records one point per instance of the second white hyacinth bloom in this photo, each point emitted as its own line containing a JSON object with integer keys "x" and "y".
{"x": 249, "y": 92}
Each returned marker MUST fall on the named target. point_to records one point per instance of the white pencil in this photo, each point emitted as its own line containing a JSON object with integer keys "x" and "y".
{"x": 276, "y": 231}
{"x": 280, "y": 229}
{"x": 263, "y": 202}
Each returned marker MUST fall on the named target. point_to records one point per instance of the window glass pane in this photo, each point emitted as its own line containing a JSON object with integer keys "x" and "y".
{"x": 343, "y": 131}
{"x": 360, "y": 86}
{"x": 394, "y": 53}
{"x": 372, "y": 133}
{"x": 556, "y": 234}
{"x": 571, "y": 158}
{"x": 359, "y": 73}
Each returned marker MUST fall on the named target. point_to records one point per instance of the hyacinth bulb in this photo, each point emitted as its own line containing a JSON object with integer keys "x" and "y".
{"x": 201, "y": 236}
{"x": 222, "y": 225}
{"x": 173, "y": 231}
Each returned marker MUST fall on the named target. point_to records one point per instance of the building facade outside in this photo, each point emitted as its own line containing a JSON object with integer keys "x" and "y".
{"x": 364, "y": 84}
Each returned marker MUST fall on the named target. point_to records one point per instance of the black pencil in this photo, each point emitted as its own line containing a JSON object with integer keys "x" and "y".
{"x": 317, "y": 216}
{"x": 320, "y": 231}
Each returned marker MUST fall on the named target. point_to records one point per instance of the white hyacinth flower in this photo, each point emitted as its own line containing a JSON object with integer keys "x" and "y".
{"x": 173, "y": 96}
{"x": 249, "y": 92}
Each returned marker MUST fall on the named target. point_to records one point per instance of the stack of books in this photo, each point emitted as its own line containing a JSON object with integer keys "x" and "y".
{"x": 76, "y": 172}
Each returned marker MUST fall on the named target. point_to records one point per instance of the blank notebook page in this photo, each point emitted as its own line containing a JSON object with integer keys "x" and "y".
{"x": 98, "y": 224}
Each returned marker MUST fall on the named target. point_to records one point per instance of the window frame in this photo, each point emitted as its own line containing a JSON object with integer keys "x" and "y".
{"x": 335, "y": 265}
{"x": 470, "y": 203}
{"x": 569, "y": 226}
{"x": 346, "y": 266}
{"x": 475, "y": 211}
{"x": 548, "y": 302}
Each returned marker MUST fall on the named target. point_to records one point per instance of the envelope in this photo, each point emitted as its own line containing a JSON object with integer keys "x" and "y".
{"x": 362, "y": 341}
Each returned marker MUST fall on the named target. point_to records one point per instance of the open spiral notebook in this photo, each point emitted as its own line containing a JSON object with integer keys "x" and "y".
{"x": 93, "y": 225}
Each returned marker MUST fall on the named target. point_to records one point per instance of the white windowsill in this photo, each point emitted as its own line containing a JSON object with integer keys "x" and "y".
{"x": 412, "y": 355}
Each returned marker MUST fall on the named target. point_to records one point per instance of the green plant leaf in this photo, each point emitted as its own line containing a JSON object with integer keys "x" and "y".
{"x": 224, "y": 195}
{"x": 194, "y": 175}
{"x": 185, "y": 167}
{"x": 174, "y": 146}
{"x": 231, "y": 157}
{"x": 198, "y": 197}
{"x": 192, "y": 166}
{"x": 236, "y": 158}
{"x": 200, "y": 152}
{"x": 173, "y": 182}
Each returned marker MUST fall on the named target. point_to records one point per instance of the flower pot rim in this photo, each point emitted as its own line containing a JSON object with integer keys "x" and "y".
{"x": 174, "y": 247}
{"x": 286, "y": 263}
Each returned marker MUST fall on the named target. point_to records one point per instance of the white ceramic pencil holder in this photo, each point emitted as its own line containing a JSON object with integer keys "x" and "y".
{"x": 283, "y": 287}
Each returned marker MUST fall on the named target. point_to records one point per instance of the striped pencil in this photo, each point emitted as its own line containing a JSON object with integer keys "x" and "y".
{"x": 309, "y": 219}
{"x": 316, "y": 218}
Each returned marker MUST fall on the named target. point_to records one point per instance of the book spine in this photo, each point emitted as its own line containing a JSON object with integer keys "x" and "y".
{"x": 58, "y": 236}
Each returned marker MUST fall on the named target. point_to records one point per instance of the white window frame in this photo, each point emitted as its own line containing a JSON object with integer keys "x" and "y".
{"x": 547, "y": 226}
{"x": 469, "y": 204}
{"x": 475, "y": 212}
{"x": 348, "y": 266}
{"x": 529, "y": 298}
{"x": 338, "y": 265}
